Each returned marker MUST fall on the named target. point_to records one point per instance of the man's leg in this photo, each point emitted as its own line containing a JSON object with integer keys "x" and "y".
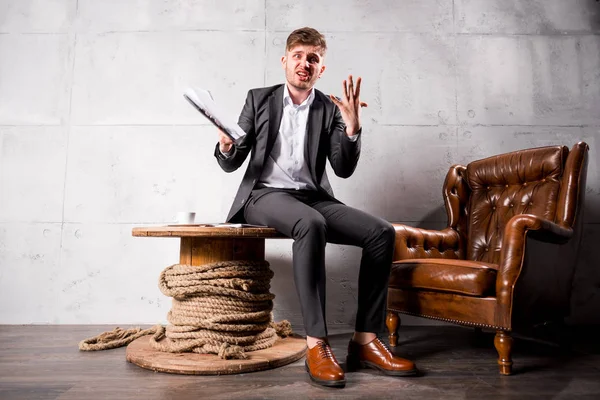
{"x": 347, "y": 225}
{"x": 286, "y": 212}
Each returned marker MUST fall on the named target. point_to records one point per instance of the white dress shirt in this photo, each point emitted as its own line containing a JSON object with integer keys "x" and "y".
{"x": 286, "y": 166}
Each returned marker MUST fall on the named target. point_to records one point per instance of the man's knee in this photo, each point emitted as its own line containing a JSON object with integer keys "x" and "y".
{"x": 389, "y": 232}
{"x": 384, "y": 234}
{"x": 314, "y": 225}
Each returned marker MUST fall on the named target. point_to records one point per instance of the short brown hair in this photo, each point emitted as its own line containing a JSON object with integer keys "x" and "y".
{"x": 307, "y": 36}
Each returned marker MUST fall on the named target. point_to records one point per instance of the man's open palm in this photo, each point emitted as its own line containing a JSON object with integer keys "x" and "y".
{"x": 350, "y": 105}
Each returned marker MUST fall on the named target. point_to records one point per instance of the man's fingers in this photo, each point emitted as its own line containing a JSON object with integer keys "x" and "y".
{"x": 335, "y": 100}
{"x": 357, "y": 91}
{"x": 363, "y": 104}
{"x": 350, "y": 87}
{"x": 223, "y": 138}
{"x": 345, "y": 89}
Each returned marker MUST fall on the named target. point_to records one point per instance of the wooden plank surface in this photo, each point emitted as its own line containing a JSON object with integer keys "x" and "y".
{"x": 204, "y": 250}
{"x": 204, "y": 231}
{"x": 42, "y": 362}
{"x": 185, "y": 251}
{"x": 283, "y": 352}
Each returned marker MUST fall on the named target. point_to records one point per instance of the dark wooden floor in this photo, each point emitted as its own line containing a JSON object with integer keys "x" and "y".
{"x": 43, "y": 362}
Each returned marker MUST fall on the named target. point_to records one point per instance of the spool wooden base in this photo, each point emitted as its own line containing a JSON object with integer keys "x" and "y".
{"x": 283, "y": 352}
{"x": 201, "y": 244}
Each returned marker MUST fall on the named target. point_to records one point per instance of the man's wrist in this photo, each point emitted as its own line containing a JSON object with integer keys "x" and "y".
{"x": 352, "y": 131}
{"x": 354, "y": 138}
{"x": 228, "y": 153}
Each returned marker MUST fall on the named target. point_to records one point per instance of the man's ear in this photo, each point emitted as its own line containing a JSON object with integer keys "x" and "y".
{"x": 322, "y": 70}
{"x": 283, "y": 61}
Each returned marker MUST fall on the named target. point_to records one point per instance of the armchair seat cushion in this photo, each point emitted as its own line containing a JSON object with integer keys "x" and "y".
{"x": 471, "y": 278}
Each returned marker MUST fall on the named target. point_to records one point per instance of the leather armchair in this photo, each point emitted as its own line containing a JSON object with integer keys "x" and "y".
{"x": 506, "y": 260}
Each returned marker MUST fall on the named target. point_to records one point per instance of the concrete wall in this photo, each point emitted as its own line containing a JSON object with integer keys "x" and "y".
{"x": 95, "y": 137}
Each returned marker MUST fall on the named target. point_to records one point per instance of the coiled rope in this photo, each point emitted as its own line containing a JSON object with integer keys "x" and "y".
{"x": 222, "y": 308}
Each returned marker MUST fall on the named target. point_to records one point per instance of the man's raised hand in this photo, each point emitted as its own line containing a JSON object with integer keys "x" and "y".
{"x": 350, "y": 105}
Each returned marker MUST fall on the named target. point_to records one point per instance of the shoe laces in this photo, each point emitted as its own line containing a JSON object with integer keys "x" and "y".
{"x": 324, "y": 350}
{"x": 384, "y": 344}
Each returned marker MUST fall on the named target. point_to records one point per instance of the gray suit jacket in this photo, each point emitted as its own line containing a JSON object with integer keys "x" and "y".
{"x": 260, "y": 119}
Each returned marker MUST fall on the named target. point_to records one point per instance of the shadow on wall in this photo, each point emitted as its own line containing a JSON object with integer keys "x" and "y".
{"x": 437, "y": 218}
{"x": 591, "y": 208}
{"x": 592, "y": 195}
{"x": 593, "y": 7}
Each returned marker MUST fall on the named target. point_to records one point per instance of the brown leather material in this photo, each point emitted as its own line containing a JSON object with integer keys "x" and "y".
{"x": 456, "y": 200}
{"x": 519, "y": 211}
{"x": 422, "y": 243}
{"x": 554, "y": 166}
{"x": 471, "y": 278}
{"x": 521, "y": 182}
{"x": 512, "y": 256}
{"x": 378, "y": 356}
{"x": 322, "y": 366}
{"x": 442, "y": 306}
{"x": 572, "y": 185}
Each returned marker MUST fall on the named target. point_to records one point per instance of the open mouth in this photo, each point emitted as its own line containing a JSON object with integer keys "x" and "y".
{"x": 304, "y": 76}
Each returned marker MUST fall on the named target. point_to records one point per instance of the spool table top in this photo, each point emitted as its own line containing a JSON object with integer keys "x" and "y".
{"x": 207, "y": 230}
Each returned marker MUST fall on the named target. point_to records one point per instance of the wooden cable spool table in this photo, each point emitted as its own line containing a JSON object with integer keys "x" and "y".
{"x": 202, "y": 244}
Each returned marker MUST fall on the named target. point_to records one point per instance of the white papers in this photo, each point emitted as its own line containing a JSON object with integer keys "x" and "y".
{"x": 234, "y": 225}
{"x": 220, "y": 225}
{"x": 203, "y": 101}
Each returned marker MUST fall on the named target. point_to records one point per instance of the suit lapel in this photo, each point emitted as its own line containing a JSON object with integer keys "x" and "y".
{"x": 275, "y": 114}
{"x": 313, "y": 132}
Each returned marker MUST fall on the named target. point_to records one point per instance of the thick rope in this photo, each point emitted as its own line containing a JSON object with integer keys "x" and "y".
{"x": 112, "y": 339}
{"x": 221, "y": 308}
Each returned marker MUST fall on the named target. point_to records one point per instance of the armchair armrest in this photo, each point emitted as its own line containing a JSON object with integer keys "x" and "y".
{"x": 424, "y": 243}
{"x": 513, "y": 251}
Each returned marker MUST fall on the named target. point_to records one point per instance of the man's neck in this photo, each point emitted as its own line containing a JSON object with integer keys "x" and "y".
{"x": 298, "y": 95}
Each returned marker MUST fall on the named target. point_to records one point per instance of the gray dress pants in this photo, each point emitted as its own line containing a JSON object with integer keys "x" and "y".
{"x": 312, "y": 219}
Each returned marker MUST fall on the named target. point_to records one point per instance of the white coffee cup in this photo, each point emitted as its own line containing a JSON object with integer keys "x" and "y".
{"x": 185, "y": 218}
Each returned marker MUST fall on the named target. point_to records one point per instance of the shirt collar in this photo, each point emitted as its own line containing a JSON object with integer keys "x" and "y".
{"x": 288, "y": 100}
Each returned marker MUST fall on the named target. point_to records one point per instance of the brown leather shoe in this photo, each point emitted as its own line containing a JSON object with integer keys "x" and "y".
{"x": 378, "y": 356}
{"x": 322, "y": 366}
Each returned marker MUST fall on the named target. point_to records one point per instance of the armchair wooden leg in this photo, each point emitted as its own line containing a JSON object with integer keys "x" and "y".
{"x": 503, "y": 342}
{"x": 393, "y": 321}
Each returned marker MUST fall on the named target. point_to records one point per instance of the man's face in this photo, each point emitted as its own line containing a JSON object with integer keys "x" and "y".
{"x": 303, "y": 65}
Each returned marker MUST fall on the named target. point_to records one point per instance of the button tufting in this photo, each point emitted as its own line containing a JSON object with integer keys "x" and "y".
{"x": 493, "y": 208}
{"x": 511, "y": 204}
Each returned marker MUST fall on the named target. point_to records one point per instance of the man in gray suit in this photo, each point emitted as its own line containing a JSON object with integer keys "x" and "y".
{"x": 291, "y": 130}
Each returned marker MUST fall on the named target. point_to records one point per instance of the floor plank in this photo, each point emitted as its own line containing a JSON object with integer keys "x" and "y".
{"x": 43, "y": 362}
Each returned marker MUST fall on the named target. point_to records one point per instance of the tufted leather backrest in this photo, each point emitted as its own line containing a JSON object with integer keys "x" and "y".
{"x": 521, "y": 182}
{"x": 456, "y": 199}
